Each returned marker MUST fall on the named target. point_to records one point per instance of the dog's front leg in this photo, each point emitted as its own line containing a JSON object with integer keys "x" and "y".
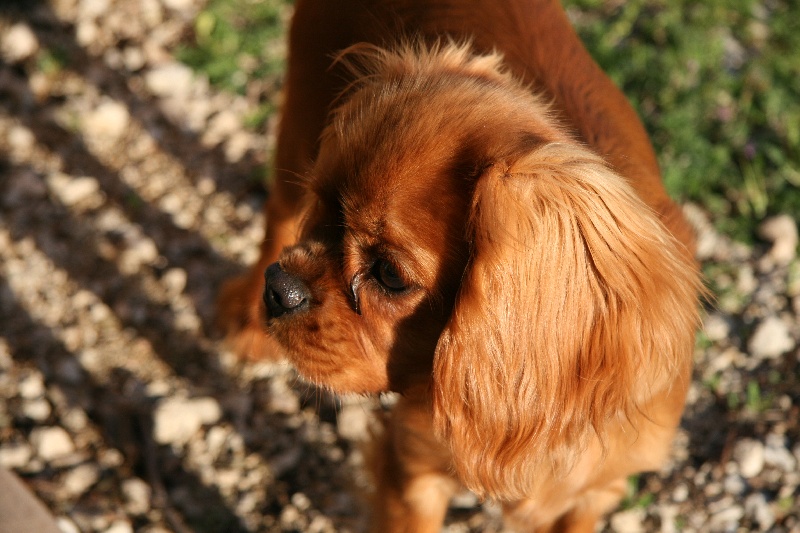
{"x": 412, "y": 473}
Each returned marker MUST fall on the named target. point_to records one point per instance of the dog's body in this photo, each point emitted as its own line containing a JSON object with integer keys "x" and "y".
{"x": 487, "y": 234}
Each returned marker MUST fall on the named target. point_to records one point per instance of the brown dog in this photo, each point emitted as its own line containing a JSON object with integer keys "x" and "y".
{"x": 468, "y": 212}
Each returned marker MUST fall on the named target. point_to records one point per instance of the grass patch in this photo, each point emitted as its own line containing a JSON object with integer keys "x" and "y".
{"x": 717, "y": 84}
{"x": 240, "y": 45}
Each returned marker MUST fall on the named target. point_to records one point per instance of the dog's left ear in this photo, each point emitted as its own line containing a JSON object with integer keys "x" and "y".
{"x": 577, "y": 307}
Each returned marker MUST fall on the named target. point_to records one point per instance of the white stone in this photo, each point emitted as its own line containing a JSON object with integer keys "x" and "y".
{"x": 178, "y": 419}
{"x": 352, "y": 422}
{"x": 80, "y": 479}
{"x": 716, "y": 327}
{"x": 31, "y": 386}
{"x": 108, "y": 121}
{"x": 120, "y": 526}
{"x": 756, "y": 505}
{"x": 770, "y": 339}
{"x": 73, "y": 190}
{"x": 137, "y": 496}
{"x": 37, "y": 409}
{"x": 90, "y": 9}
{"x": 66, "y": 525}
{"x": 179, "y": 5}
{"x": 727, "y": 518}
{"x": 629, "y": 521}
{"x": 173, "y": 79}
{"x": 174, "y": 280}
{"x": 749, "y": 455}
{"x": 18, "y": 43}
{"x": 778, "y": 455}
{"x": 781, "y": 231}
{"x": 51, "y": 442}
{"x": 15, "y": 456}
{"x": 21, "y": 138}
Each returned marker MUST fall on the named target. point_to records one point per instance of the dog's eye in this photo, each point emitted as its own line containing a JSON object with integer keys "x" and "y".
{"x": 387, "y": 275}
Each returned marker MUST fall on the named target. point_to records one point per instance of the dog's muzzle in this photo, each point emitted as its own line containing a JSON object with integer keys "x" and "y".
{"x": 284, "y": 294}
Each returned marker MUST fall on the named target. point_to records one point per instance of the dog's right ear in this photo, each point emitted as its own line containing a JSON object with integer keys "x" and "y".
{"x": 576, "y": 309}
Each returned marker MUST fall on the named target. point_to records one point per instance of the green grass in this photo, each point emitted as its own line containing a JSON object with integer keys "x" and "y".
{"x": 717, "y": 84}
{"x": 240, "y": 46}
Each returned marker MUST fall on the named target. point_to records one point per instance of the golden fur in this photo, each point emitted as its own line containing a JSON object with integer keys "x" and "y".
{"x": 481, "y": 228}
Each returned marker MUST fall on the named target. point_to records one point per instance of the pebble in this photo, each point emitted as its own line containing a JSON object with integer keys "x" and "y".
{"x": 781, "y": 231}
{"x": 18, "y": 43}
{"x": 37, "y": 409}
{"x": 78, "y": 480}
{"x": 137, "y": 496}
{"x": 630, "y": 521}
{"x": 749, "y": 454}
{"x": 73, "y": 190}
{"x": 770, "y": 339}
{"x": 31, "y": 387}
{"x": 176, "y": 420}
{"x": 756, "y": 506}
{"x": 777, "y": 454}
{"x": 170, "y": 80}
{"x": 726, "y": 518}
{"x": 51, "y": 442}
{"x": 108, "y": 121}
{"x": 352, "y": 421}
{"x": 14, "y": 456}
{"x": 120, "y": 526}
{"x": 716, "y": 327}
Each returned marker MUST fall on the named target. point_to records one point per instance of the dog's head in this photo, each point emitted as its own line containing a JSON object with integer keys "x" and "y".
{"x": 458, "y": 240}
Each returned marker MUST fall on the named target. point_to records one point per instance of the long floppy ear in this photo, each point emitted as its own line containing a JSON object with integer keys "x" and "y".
{"x": 577, "y": 307}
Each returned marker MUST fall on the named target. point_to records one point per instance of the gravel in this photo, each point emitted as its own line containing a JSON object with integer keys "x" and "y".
{"x": 126, "y": 197}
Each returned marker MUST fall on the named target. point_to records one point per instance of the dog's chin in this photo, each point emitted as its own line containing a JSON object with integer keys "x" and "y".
{"x": 338, "y": 371}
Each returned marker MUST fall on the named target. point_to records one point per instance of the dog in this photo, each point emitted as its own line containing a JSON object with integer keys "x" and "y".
{"x": 467, "y": 211}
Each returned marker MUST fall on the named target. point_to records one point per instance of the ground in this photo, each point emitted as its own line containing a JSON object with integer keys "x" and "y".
{"x": 130, "y": 188}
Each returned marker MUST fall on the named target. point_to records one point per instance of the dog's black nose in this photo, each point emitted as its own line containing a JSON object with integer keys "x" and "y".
{"x": 284, "y": 293}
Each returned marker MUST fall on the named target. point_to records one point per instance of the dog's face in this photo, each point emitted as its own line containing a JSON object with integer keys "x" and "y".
{"x": 386, "y": 239}
{"x": 457, "y": 238}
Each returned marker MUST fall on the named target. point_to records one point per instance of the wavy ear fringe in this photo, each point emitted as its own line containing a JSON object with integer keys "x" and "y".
{"x": 577, "y": 308}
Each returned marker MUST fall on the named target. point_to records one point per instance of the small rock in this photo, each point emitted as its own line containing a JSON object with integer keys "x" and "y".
{"x": 179, "y": 5}
{"x": 66, "y": 525}
{"x": 629, "y": 521}
{"x": 174, "y": 281}
{"x": 170, "y": 80}
{"x": 37, "y": 409}
{"x": 353, "y": 422}
{"x": 781, "y": 231}
{"x": 726, "y": 519}
{"x": 13, "y": 456}
{"x": 21, "y": 139}
{"x": 120, "y": 526}
{"x": 770, "y": 339}
{"x": 18, "y": 43}
{"x": 72, "y": 191}
{"x": 133, "y": 58}
{"x": 777, "y": 454}
{"x": 749, "y": 454}
{"x": 51, "y": 442}
{"x": 756, "y": 506}
{"x": 91, "y": 9}
{"x": 716, "y": 327}
{"x": 31, "y": 387}
{"x": 78, "y": 480}
{"x": 108, "y": 121}
{"x": 137, "y": 496}
{"x": 177, "y": 419}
